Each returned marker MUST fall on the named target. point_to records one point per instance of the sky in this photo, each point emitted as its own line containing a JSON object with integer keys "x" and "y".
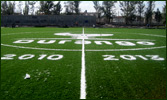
{"x": 88, "y": 5}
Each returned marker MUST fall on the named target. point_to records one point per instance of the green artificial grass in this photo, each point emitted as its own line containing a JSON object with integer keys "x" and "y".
{"x": 105, "y": 79}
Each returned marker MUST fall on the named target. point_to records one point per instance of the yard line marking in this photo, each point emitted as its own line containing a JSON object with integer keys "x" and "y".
{"x": 83, "y": 78}
{"x": 88, "y": 39}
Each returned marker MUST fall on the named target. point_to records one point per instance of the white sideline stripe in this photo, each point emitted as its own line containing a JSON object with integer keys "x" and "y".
{"x": 87, "y": 39}
{"x": 133, "y": 49}
{"x": 83, "y": 78}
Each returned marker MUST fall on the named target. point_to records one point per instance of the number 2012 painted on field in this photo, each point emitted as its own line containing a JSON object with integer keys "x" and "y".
{"x": 133, "y": 57}
{"x": 30, "y": 56}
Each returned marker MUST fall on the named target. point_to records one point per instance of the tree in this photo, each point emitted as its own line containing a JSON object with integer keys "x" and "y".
{"x": 72, "y": 7}
{"x": 76, "y": 7}
{"x": 107, "y": 9}
{"x": 57, "y": 9}
{"x": 20, "y": 8}
{"x": 26, "y": 8}
{"x": 42, "y": 7}
{"x": 46, "y": 7}
{"x": 69, "y": 6}
{"x": 164, "y": 14}
{"x": 7, "y": 8}
{"x": 98, "y": 9}
{"x": 149, "y": 11}
{"x": 128, "y": 9}
{"x": 32, "y": 3}
{"x": 158, "y": 16}
{"x": 67, "y": 12}
{"x": 11, "y": 8}
{"x": 4, "y": 7}
{"x": 140, "y": 9}
{"x": 96, "y": 5}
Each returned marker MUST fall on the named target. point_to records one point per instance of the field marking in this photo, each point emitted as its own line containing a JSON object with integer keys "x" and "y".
{"x": 40, "y": 48}
{"x": 87, "y": 49}
{"x": 133, "y": 49}
{"x": 78, "y": 35}
{"x": 83, "y": 78}
{"x": 30, "y": 32}
{"x": 20, "y": 33}
{"x": 153, "y": 35}
{"x": 137, "y": 33}
{"x": 86, "y": 39}
{"x": 91, "y": 32}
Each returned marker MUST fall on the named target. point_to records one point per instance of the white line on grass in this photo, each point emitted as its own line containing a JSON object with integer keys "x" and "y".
{"x": 133, "y": 49}
{"x": 34, "y": 48}
{"x": 83, "y": 78}
{"x": 153, "y": 35}
{"x": 86, "y": 39}
{"x": 30, "y": 32}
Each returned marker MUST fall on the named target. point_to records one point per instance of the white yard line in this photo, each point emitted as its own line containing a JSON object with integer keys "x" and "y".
{"x": 83, "y": 78}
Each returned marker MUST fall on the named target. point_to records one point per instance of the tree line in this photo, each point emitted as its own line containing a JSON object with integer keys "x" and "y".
{"x": 130, "y": 9}
{"x": 45, "y": 7}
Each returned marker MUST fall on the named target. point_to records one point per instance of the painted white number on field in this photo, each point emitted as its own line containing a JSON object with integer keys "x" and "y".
{"x": 109, "y": 57}
{"x": 128, "y": 57}
{"x": 41, "y": 57}
{"x": 30, "y": 56}
{"x": 8, "y": 57}
{"x": 142, "y": 57}
{"x": 155, "y": 57}
{"x": 55, "y": 57}
{"x": 26, "y": 56}
{"x": 133, "y": 57}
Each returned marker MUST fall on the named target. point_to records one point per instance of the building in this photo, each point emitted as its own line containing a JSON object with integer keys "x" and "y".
{"x": 118, "y": 19}
{"x": 89, "y": 14}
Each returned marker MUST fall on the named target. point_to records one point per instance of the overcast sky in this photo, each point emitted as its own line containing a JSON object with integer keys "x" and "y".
{"x": 88, "y": 5}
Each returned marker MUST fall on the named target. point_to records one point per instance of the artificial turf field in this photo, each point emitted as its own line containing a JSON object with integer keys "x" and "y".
{"x": 124, "y": 64}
